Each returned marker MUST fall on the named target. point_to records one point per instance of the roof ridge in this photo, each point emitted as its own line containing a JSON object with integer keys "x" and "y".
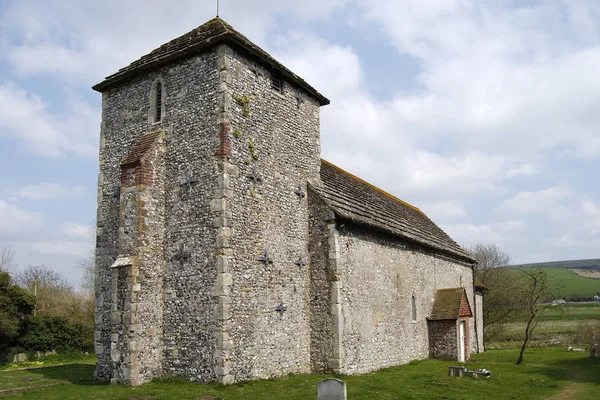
{"x": 224, "y": 23}
{"x": 391, "y": 196}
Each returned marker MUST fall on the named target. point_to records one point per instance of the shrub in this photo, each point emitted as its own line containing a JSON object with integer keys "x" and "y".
{"x": 54, "y": 333}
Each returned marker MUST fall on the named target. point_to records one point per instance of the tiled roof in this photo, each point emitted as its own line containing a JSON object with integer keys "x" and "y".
{"x": 140, "y": 148}
{"x": 480, "y": 285}
{"x": 447, "y": 304}
{"x": 356, "y": 200}
{"x": 212, "y": 33}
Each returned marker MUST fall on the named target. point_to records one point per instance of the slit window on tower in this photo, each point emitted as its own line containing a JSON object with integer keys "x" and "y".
{"x": 277, "y": 83}
{"x": 159, "y": 101}
{"x": 413, "y": 308}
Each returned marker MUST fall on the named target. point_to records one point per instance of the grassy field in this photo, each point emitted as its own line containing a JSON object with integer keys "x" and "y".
{"x": 574, "y": 285}
{"x": 547, "y": 372}
{"x": 587, "y": 273}
{"x": 559, "y": 325}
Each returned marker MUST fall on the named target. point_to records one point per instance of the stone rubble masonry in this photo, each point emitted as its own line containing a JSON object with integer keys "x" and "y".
{"x": 220, "y": 206}
{"x": 168, "y": 324}
{"x": 443, "y": 336}
{"x": 136, "y": 310}
{"x": 337, "y": 360}
{"x": 321, "y": 278}
{"x": 277, "y": 135}
{"x": 209, "y": 315}
{"x": 378, "y": 275}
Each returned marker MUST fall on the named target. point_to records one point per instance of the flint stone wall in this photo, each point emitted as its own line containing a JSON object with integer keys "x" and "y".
{"x": 190, "y": 141}
{"x": 443, "y": 339}
{"x": 378, "y": 276}
{"x": 278, "y": 135}
{"x": 321, "y": 278}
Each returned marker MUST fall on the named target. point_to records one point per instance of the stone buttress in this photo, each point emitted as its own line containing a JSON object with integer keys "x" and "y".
{"x": 138, "y": 273}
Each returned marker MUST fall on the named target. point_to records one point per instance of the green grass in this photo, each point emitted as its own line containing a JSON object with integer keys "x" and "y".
{"x": 51, "y": 360}
{"x": 574, "y": 285}
{"x": 558, "y": 325}
{"x": 572, "y": 312}
{"x": 546, "y": 372}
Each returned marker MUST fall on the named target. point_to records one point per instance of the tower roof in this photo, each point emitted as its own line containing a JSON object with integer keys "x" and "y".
{"x": 212, "y": 33}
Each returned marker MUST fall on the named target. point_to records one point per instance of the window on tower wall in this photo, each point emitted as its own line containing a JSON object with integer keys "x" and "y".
{"x": 157, "y": 102}
{"x": 276, "y": 83}
{"x": 413, "y": 306}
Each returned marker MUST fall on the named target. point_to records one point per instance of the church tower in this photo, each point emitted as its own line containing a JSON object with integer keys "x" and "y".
{"x": 207, "y": 145}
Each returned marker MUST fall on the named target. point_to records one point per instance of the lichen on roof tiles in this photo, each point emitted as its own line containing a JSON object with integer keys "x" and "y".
{"x": 447, "y": 304}
{"x": 357, "y": 200}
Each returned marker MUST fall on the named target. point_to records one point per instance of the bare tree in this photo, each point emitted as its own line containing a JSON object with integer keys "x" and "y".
{"x": 88, "y": 266}
{"x": 535, "y": 288}
{"x": 7, "y": 257}
{"x": 89, "y": 274}
{"x": 47, "y": 286}
{"x": 500, "y": 303}
{"x": 488, "y": 256}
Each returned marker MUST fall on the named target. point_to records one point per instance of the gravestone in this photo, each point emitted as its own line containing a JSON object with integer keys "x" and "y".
{"x": 457, "y": 371}
{"x": 331, "y": 389}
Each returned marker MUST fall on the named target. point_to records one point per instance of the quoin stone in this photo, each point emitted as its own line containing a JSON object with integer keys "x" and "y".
{"x": 331, "y": 389}
{"x": 228, "y": 250}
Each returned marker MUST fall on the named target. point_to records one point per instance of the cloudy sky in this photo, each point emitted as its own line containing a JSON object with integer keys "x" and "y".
{"x": 483, "y": 114}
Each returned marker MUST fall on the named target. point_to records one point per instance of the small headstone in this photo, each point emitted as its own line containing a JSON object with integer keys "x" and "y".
{"x": 331, "y": 389}
{"x": 19, "y": 358}
{"x": 457, "y": 371}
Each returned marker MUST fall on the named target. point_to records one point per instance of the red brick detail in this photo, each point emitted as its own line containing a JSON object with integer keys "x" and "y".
{"x": 224, "y": 144}
{"x": 465, "y": 310}
{"x": 136, "y": 168}
{"x": 138, "y": 173}
{"x": 140, "y": 148}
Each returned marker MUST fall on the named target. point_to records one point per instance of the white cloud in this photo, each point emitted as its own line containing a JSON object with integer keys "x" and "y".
{"x": 375, "y": 139}
{"x": 499, "y": 233}
{"x": 590, "y": 208}
{"x": 16, "y": 222}
{"x": 78, "y": 231}
{"x": 444, "y": 210}
{"x": 541, "y": 201}
{"x": 73, "y": 249}
{"x": 47, "y": 191}
{"x": 28, "y": 118}
{"x": 83, "y": 44}
{"x": 496, "y": 77}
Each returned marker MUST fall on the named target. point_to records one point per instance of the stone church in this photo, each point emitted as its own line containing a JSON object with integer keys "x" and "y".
{"x": 228, "y": 250}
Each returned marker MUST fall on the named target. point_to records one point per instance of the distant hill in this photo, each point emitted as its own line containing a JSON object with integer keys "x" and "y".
{"x": 579, "y": 277}
{"x": 592, "y": 263}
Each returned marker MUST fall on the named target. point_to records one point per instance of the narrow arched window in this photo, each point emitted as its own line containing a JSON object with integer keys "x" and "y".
{"x": 158, "y": 103}
{"x": 413, "y": 304}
